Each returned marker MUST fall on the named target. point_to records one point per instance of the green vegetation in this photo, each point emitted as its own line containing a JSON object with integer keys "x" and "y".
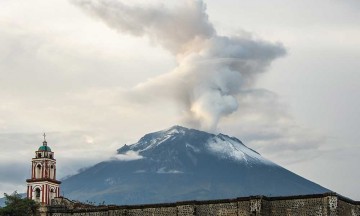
{"x": 17, "y": 206}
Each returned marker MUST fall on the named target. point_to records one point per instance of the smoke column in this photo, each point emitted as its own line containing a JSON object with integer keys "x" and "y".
{"x": 212, "y": 70}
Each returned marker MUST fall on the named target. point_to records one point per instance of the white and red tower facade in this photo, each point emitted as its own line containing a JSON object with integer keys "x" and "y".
{"x": 43, "y": 186}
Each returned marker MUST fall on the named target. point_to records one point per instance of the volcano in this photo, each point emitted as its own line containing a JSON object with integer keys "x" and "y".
{"x": 180, "y": 164}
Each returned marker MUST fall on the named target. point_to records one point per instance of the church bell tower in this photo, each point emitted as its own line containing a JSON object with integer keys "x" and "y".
{"x": 43, "y": 186}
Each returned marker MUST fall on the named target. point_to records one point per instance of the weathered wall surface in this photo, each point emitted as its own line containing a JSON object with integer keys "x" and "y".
{"x": 312, "y": 205}
{"x": 348, "y": 208}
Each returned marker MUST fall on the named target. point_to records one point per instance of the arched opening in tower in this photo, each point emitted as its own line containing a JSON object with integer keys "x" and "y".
{"x": 38, "y": 171}
{"x": 52, "y": 194}
{"x": 37, "y": 194}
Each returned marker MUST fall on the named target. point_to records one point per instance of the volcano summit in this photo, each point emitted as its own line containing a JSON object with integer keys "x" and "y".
{"x": 184, "y": 164}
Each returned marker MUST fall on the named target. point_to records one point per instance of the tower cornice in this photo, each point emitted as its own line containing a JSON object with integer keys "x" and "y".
{"x": 42, "y": 159}
{"x": 43, "y": 180}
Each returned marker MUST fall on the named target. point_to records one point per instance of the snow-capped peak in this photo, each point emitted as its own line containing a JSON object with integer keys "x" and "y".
{"x": 178, "y": 140}
{"x": 175, "y": 130}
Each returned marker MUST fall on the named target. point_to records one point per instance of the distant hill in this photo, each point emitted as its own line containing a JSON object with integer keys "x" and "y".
{"x": 184, "y": 164}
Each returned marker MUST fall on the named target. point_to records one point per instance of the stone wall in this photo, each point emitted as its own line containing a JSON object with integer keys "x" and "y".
{"x": 348, "y": 207}
{"x": 301, "y": 206}
{"x": 316, "y": 205}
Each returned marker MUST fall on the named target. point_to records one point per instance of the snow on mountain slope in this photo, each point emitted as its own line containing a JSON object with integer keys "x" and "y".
{"x": 219, "y": 145}
{"x": 227, "y": 147}
{"x": 184, "y": 164}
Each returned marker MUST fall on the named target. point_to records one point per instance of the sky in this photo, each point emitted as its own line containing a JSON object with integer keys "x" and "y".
{"x": 97, "y": 74}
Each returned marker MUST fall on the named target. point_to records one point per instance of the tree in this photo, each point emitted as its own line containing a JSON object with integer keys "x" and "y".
{"x": 17, "y": 206}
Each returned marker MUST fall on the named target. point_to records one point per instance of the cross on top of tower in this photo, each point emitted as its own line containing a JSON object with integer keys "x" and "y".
{"x": 44, "y": 143}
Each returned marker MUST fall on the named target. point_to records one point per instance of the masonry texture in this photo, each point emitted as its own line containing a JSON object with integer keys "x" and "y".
{"x": 321, "y": 204}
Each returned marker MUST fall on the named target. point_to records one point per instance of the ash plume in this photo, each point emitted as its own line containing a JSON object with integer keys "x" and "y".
{"x": 212, "y": 70}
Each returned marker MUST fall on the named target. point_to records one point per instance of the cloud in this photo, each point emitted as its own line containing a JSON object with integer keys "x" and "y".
{"x": 164, "y": 170}
{"x": 211, "y": 69}
{"x": 13, "y": 175}
{"x": 176, "y": 29}
{"x": 265, "y": 125}
{"x": 128, "y": 156}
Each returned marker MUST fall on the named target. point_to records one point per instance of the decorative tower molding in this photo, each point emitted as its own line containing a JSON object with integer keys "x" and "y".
{"x": 43, "y": 186}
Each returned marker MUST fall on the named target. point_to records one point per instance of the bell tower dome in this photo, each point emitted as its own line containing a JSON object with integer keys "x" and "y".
{"x": 43, "y": 186}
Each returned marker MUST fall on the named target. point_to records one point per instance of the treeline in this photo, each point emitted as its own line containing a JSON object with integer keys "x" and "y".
{"x": 15, "y": 205}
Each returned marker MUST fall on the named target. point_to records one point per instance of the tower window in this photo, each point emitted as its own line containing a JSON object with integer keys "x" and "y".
{"x": 37, "y": 193}
{"x": 52, "y": 194}
{"x": 51, "y": 157}
{"x": 39, "y": 155}
{"x": 38, "y": 171}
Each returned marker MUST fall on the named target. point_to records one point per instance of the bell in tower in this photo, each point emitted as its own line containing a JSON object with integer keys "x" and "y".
{"x": 43, "y": 186}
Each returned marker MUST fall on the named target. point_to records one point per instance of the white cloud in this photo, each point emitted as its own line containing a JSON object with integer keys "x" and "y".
{"x": 164, "y": 170}
{"x": 128, "y": 156}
